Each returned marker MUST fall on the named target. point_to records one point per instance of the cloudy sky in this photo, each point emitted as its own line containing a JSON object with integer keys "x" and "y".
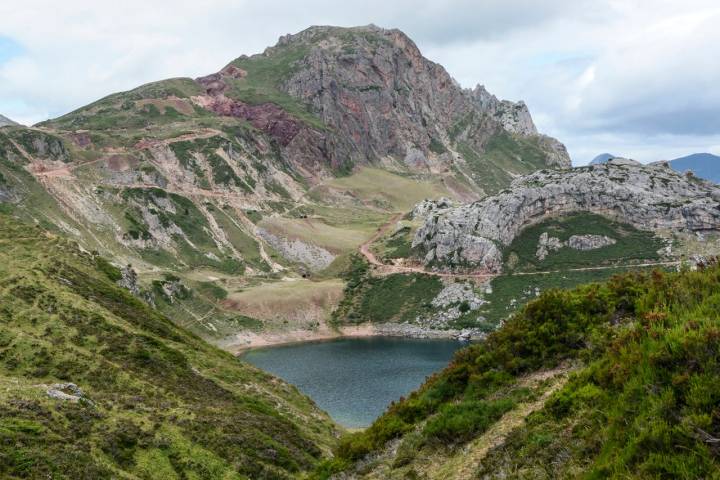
{"x": 638, "y": 78}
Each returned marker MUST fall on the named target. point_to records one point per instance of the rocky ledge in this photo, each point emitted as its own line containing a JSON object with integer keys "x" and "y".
{"x": 547, "y": 244}
{"x": 649, "y": 197}
{"x": 410, "y": 330}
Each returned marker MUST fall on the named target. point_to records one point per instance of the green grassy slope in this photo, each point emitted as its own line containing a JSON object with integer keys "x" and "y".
{"x": 265, "y": 74}
{"x": 121, "y": 110}
{"x": 644, "y": 401}
{"x": 511, "y": 291}
{"x": 632, "y": 245}
{"x": 150, "y": 178}
{"x": 158, "y": 402}
{"x": 394, "y": 298}
{"x": 505, "y": 155}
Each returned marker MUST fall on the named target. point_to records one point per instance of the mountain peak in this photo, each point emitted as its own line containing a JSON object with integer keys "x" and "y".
{"x": 319, "y": 32}
{"x": 347, "y": 39}
{"x": 389, "y": 101}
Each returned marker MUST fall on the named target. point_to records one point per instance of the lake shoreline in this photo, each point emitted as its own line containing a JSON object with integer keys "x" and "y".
{"x": 355, "y": 379}
{"x": 245, "y": 341}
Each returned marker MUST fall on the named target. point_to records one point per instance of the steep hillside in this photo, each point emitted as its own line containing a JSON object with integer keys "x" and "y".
{"x": 704, "y": 165}
{"x": 4, "y": 121}
{"x": 558, "y": 252}
{"x": 276, "y": 167}
{"x": 609, "y": 380}
{"x": 95, "y": 384}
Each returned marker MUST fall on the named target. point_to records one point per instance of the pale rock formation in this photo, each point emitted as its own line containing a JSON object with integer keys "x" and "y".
{"x": 589, "y": 242}
{"x": 426, "y": 207}
{"x": 651, "y": 198}
{"x": 547, "y": 244}
{"x": 315, "y": 258}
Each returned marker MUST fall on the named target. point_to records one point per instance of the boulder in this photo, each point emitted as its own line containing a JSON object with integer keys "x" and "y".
{"x": 589, "y": 242}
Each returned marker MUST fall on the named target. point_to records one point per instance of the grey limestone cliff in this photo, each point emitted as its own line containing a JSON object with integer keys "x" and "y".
{"x": 652, "y": 197}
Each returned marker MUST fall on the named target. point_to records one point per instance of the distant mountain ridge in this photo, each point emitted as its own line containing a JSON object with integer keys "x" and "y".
{"x": 704, "y": 165}
{"x": 4, "y": 121}
{"x": 602, "y": 158}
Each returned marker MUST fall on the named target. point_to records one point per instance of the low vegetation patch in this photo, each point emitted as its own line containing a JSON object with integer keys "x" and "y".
{"x": 394, "y": 298}
{"x": 504, "y": 154}
{"x": 631, "y": 245}
{"x": 397, "y": 245}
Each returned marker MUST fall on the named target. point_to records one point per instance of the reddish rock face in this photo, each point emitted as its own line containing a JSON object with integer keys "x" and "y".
{"x": 233, "y": 71}
{"x": 213, "y": 83}
{"x": 81, "y": 139}
{"x": 267, "y": 117}
{"x": 378, "y": 96}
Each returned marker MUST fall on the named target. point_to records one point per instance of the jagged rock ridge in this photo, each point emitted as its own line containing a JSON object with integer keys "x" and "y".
{"x": 648, "y": 197}
{"x": 379, "y": 97}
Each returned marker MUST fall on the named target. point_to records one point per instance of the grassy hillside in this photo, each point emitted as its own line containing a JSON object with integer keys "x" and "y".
{"x": 156, "y": 401}
{"x": 644, "y": 401}
{"x": 505, "y": 156}
{"x": 632, "y": 245}
{"x": 179, "y": 182}
{"x": 394, "y": 298}
{"x": 527, "y": 276}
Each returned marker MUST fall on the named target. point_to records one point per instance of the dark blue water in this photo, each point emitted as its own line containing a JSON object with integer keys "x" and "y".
{"x": 355, "y": 379}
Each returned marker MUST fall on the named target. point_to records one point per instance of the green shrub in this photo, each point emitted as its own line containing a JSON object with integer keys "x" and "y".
{"x": 458, "y": 423}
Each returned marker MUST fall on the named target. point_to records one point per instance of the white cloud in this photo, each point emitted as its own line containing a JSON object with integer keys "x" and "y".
{"x": 633, "y": 77}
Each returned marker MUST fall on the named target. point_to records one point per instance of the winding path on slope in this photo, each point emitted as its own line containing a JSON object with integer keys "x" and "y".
{"x": 39, "y": 169}
{"x": 465, "y": 464}
{"x": 383, "y": 269}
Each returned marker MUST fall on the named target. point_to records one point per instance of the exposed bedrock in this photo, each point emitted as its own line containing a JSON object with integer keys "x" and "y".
{"x": 652, "y": 197}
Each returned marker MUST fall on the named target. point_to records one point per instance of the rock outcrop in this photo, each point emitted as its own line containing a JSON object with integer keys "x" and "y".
{"x": 589, "y": 242}
{"x": 68, "y": 392}
{"x": 547, "y": 244}
{"x": 427, "y": 207}
{"x": 651, "y": 197}
{"x": 313, "y": 257}
{"x": 382, "y": 98}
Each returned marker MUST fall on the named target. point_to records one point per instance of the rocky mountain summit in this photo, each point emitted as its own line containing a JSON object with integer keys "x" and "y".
{"x": 376, "y": 97}
{"x": 651, "y": 197}
{"x": 393, "y": 101}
